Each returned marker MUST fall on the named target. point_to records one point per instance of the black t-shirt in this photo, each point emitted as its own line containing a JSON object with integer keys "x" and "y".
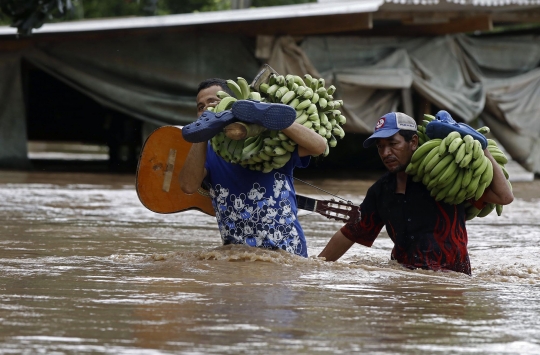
{"x": 427, "y": 234}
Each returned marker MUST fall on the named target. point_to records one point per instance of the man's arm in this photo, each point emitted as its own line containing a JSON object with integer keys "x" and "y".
{"x": 336, "y": 247}
{"x": 499, "y": 191}
{"x": 193, "y": 171}
{"x": 309, "y": 142}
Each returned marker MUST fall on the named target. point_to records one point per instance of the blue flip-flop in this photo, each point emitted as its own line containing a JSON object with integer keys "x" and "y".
{"x": 443, "y": 124}
{"x": 272, "y": 116}
{"x": 207, "y": 126}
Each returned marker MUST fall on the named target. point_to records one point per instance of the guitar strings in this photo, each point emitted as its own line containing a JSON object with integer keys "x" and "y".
{"x": 318, "y": 188}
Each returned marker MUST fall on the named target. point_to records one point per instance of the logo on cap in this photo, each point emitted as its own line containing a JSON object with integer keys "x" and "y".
{"x": 380, "y": 123}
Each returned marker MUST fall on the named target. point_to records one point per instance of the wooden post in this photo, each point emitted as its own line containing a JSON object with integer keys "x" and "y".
{"x": 406, "y": 97}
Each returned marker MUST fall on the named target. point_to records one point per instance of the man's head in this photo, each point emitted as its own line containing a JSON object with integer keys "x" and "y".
{"x": 207, "y": 93}
{"x": 396, "y": 140}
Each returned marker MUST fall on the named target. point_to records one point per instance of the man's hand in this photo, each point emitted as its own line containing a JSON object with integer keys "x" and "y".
{"x": 499, "y": 191}
{"x": 193, "y": 171}
{"x": 336, "y": 247}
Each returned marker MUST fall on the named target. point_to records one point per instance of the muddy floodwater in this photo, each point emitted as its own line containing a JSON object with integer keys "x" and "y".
{"x": 86, "y": 269}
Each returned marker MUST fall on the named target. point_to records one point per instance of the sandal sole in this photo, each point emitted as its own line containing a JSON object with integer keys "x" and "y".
{"x": 206, "y": 127}
{"x": 439, "y": 129}
{"x": 271, "y": 116}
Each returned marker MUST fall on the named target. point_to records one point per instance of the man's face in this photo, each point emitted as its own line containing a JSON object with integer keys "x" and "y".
{"x": 207, "y": 98}
{"x": 395, "y": 152}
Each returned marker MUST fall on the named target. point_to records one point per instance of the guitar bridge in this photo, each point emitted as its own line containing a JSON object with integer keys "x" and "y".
{"x": 169, "y": 170}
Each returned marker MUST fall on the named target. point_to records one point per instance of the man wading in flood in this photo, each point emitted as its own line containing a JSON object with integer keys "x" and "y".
{"x": 427, "y": 234}
{"x": 252, "y": 208}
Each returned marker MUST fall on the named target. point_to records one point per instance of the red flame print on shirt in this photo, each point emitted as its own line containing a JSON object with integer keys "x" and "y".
{"x": 451, "y": 237}
{"x": 446, "y": 251}
{"x": 364, "y": 231}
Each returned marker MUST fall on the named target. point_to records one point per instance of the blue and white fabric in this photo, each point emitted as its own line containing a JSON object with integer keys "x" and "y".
{"x": 255, "y": 208}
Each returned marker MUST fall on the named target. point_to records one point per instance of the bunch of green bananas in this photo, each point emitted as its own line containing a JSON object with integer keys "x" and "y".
{"x": 455, "y": 169}
{"x": 501, "y": 160}
{"x": 315, "y": 109}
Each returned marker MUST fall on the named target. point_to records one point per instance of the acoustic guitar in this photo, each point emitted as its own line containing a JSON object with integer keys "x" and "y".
{"x": 158, "y": 187}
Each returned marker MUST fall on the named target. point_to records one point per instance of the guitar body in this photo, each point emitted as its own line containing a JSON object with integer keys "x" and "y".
{"x": 162, "y": 158}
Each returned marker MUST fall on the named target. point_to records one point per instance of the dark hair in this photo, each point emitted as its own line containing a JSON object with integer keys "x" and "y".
{"x": 407, "y": 135}
{"x": 205, "y": 84}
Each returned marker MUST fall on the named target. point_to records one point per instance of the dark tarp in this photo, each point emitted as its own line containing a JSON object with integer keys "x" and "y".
{"x": 13, "y": 150}
{"x": 152, "y": 78}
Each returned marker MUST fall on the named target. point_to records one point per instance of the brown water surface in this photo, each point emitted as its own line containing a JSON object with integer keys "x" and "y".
{"x": 86, "y": 269}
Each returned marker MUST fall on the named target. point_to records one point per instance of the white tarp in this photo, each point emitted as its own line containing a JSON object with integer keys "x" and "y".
{"x": 435, "y": 67}
{"x": 494, "y": 78}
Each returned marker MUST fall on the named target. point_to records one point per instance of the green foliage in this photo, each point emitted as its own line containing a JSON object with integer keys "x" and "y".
{"x": 4, "y": 20}
{"x": 119, "y": 8}
{"x": 187, "y": 6}
{"x": 86, "y": 9}
{"x": 262, "y": 3}
{"x": 29, "y": 14}
{"x": 97, "y": 8}
{"x": 122, "y": 8}
{"x": 102, "y": 9}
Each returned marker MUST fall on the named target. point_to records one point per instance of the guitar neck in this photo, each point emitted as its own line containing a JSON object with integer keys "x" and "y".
{"x": 330, "y": 209}
{"x": 306, "y": 203}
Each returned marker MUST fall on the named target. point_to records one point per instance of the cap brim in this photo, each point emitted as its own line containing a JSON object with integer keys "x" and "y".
{"x": 383, "y": 133}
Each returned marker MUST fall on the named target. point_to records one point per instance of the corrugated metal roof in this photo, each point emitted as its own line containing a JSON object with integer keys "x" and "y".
{"x": 436, "y": 2}
{"x": 459, "y": 5}
{"x": 467, "y": 2}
